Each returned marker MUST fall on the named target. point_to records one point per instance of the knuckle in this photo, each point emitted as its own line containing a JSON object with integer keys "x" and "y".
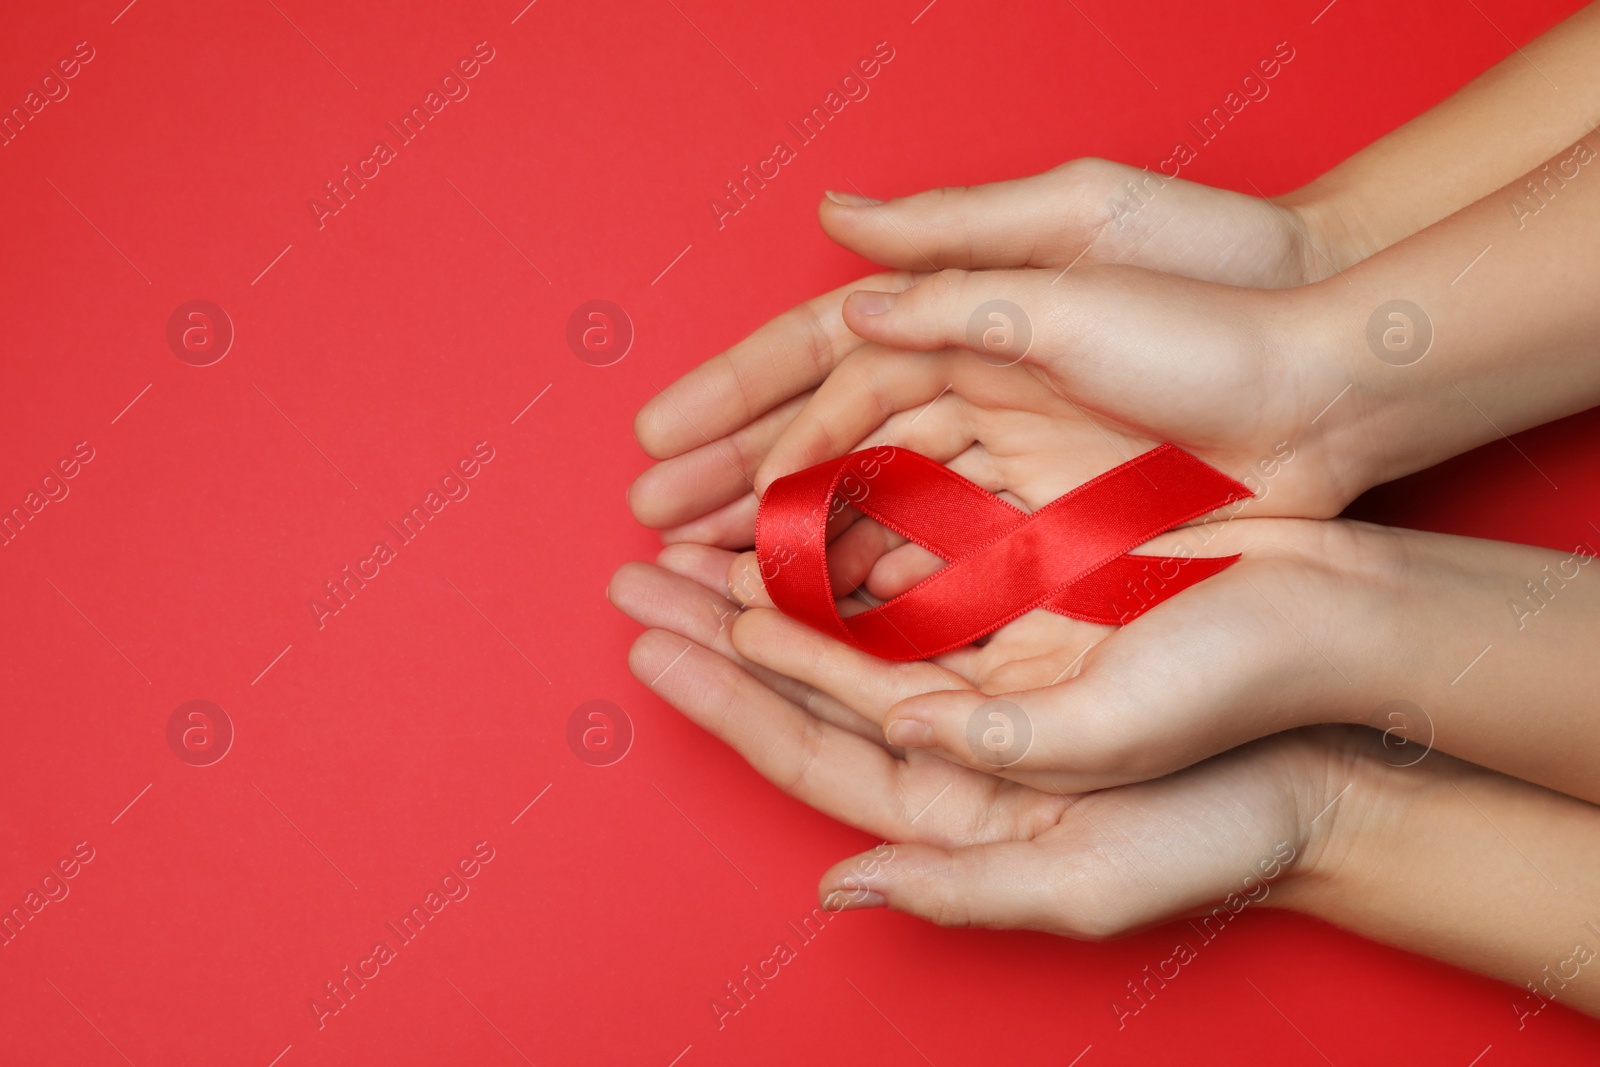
{"x": 937, "y": 207}
{"x": 1088, "y": 171}
{"x": 1094, "y": 898}
{"x": 946, "y": 224}
{"x": 745, "y": 446}
{"x": 857, "y": 367}
{"x": 1099, "y": 919}
{"x": 865, "y": 373}
{"x": 815, "y": 342}
{"x": 935, "y": 201}
{"x": 811, "y": 744}
{"x": 947, "y": 907}
{"x": 1105, "y": 746}
{"x": 947, "y": 284}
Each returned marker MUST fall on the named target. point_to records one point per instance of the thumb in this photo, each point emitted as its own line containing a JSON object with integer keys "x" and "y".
{"x": 1005, "y": 317}
{"x": 1123, "y": 339}
{"x": 1003, "y": 885}
{"x": 1209, "y": 842}
{"x": 1043, "y": 220}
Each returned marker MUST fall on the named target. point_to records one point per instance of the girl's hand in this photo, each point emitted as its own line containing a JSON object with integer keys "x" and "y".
{"x": 1427, "y": 637}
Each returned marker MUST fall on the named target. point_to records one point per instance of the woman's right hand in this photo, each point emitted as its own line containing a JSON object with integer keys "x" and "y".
{"x": 1330, "y": 821}
{"x": 712, "y": 428}
{"x": 966, "y": 848}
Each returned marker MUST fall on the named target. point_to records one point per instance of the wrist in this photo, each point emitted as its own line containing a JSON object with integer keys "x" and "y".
{"x": 1425, "y": 858}
{"x": 1467, "y": 331}
{"x": 1332, "y": 232}
{"x": 1363, "y": 414}
{"x": 1348, "y": 792}
{"x": 1369, "y": 631}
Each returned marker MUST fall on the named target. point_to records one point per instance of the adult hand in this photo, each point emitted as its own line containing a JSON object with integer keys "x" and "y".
{"x": 972, "y": 849}
{"x": 1421, "y": 855}
{"x": 712, "y": 428}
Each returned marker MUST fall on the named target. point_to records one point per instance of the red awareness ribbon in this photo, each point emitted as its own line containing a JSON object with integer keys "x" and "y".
{"x": 1072, "y": 556}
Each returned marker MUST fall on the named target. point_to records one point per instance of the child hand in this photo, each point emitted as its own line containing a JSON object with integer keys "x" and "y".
{"x": 1102, "y": 364}
{"x": 1319, "y": 621}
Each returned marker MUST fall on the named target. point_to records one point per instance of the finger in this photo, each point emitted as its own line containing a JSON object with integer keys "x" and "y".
{"x": 1021, "y": 449}
{"x": 899, "y": 568}
{"x": 1117, "y": 860}
{"x": 1041, "y": 220}
{"x": 941, "y": 404}
{"x": 937, "y": 312}
{"x": 1039, "y": 649}
{"x": 937, "y": 403}
{"x": 867, "y": 685}
{"x": 1004, "y": 885}
{"x": 1085, "y": 211}
{"x": 782, "y": 359}
{"x": 940, "y": 429}
{"x": 745, "y": 584}
{"x": 665, "y": 600}
{"x": 656, "y": 598}
{"x": 855, "y": 552}
{"x": 685, "y": 487}
{"x": 703, "y": 564}
{"x": 851, "y": 558}
{"x": 832, "y": 770}
{"x": 868, "y": 555}
{"x": 734, "y": 525}
{"x": 1114, "y": 339}
{"x": 747, "y": 588}
{"x": 730, "y": 526}
{"x": 866, "y": 390}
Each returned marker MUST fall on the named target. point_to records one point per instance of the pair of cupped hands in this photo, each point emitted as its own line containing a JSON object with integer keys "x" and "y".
{"x": 1168, "y": 757}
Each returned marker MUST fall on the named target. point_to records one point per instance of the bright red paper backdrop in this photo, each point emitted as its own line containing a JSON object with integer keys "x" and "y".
{"x": 376, "y": 752}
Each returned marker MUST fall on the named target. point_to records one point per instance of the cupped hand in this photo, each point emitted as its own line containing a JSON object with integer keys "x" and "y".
{"x": 1318, "y": 621}
{"x": 966, "y": 848}
{"x": 1428, "y": 637}
{"x": 1245, "y": 653}
{"x": 1302, "y": 629}
{"x": 1099, "y": 364}
{"x": 712, "y": 428}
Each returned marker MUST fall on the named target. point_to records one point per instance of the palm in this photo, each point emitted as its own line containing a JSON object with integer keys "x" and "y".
{"x": 990, "y": 851}
{"x": 1237, "y": 656}
{"x": 1117, "y": 363}
{"x": 712, "y": 429}
{"x": 1217, "y": 666}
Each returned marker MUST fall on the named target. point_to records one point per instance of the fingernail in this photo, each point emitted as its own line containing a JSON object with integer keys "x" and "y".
{"x": 909, "y": 733}
{"x": 872, "y": 303}
{"x": 842, "y": 900}
{"x": 851, "y": 199}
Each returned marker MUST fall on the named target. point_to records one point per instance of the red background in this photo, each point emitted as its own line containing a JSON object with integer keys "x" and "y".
{"x": 376, "y": 752}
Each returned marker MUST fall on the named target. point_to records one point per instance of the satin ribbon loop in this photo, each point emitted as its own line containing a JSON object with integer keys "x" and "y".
{"x": 1073, "y": 556}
